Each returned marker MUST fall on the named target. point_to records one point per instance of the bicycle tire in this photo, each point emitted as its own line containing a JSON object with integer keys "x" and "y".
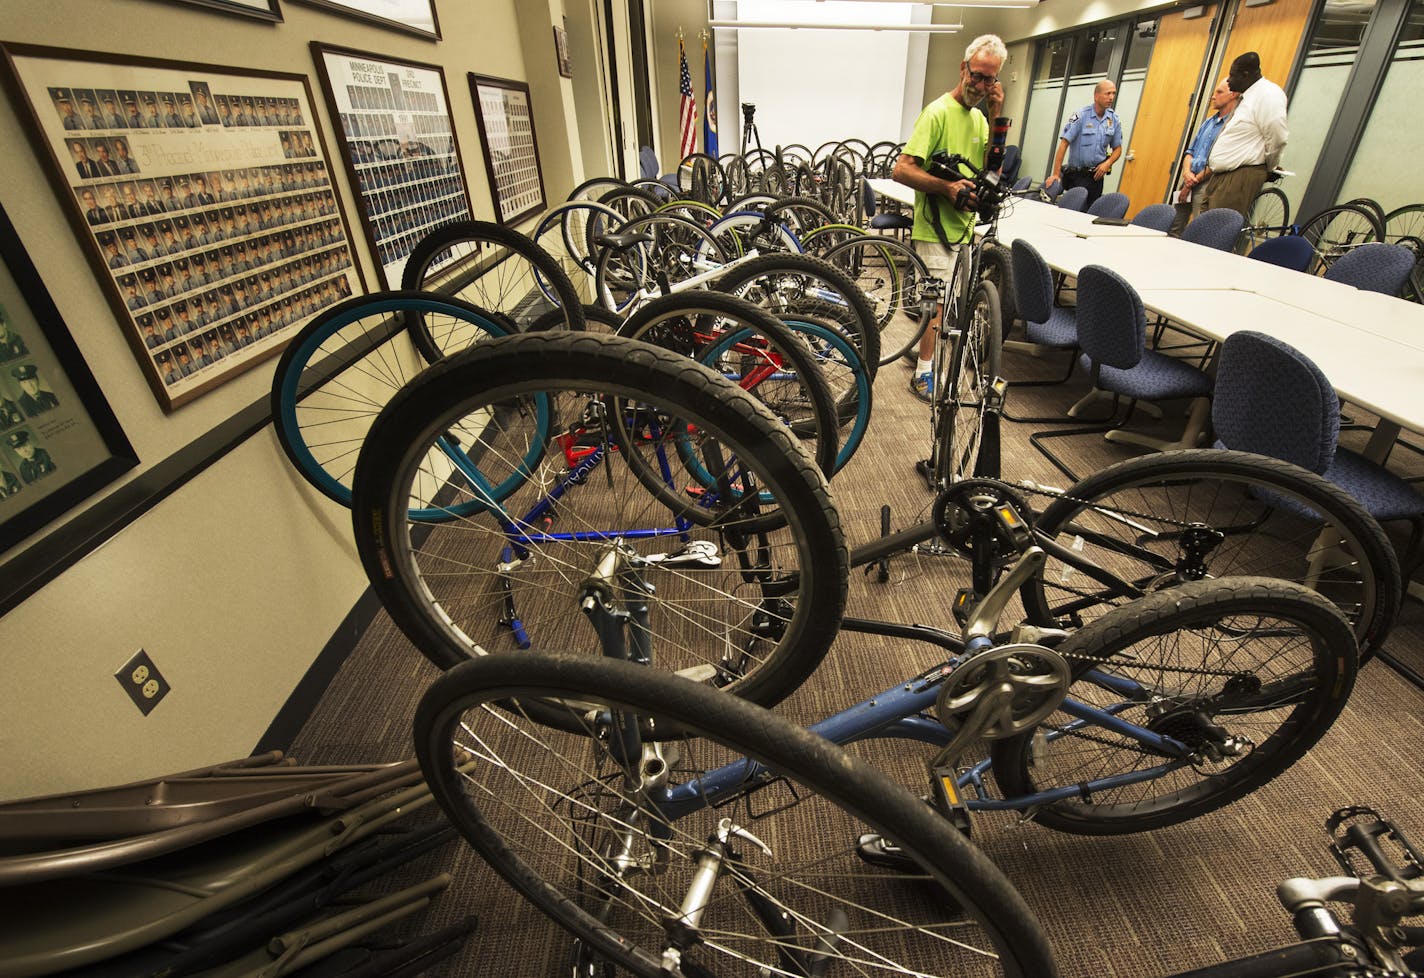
{"x": 822, "y": 239}
{"x": 1302, "y": 663}
{"x": 344, "y": 366}
{"x": 1404, "y": 222}
{"x": 596, "y": 320}
{"x": 797, "y": 284}
{"x": 757, "y": 617}
{"x": 1268, "y": 214}
{"x": 800, "y": 215}
{"x": 1336, "y": 229}
{"x": 595, "y": 187}
{"x": 997, "y": 268}
{"x": 701, "y": 177}
{"x": 511, "y": 282}
{"x": 676, "y": 249}
{"x": 1272, "y": 514}
{"x": 740, "y": 232}
{"x": 891, "y": 275}
{"x": 564, "y": 232}
{"x": 740, "y": 336}
{"x": 967, "y": 373}
{"x": 552, "y": 811}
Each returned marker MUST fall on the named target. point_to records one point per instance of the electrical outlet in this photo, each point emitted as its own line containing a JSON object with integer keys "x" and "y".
{"x": 141, "y": 679}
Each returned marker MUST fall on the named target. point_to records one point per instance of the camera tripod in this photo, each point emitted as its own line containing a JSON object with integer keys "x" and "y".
{"x": 749, "y": 129}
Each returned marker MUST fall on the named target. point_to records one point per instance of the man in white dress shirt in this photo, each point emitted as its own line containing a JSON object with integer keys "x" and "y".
{"x": 1250, "y": 144}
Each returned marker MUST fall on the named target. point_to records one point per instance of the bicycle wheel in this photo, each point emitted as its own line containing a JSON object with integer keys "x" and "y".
{"x": 1155, "y": 522}
{"x": 746, "y": 589}
{"x": 740, "y": 232}
{"x": 997, "y": 268}
{"x": 1338, "y": 229}
{"x": 594, "y": 831}
{"x": 822, "y": 239}
{"x": 1269, "y": 214}
{"x": 800, "y": 215}
{"x": 499, "y": 270}
{"x": 753, "y": 349}
{"x": 342, "y": 368}
{"x": 595, "y": 187}
{"x": 565, "y": 233}
{"x": 700, "y": 177}
{"x": 891, "y": 276}
{"x": 1245, "y": 673}
{"x": 1404, "y": 222}
{"x": 676, "y": 249}
{"x": 800, "y": 285}
{"x": 957, "y": 415}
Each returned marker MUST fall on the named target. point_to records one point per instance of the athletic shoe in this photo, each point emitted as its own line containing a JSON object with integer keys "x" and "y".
{"x": 922, "y": 386}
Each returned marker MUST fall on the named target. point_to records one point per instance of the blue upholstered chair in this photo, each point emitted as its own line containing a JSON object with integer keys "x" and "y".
{"x": 881, "y": 222}
{"x": 1052, "y": 189}
{"x": 1374, "y": 267}
{"x": 1215, "y": 228}
{"x": 648, "y": 168}
{"x": 1156, "y": 216}
{"x": 1288, "y": 251}
{"x": 1047, "y": 327}
{"x": 1112, "y": 333}
{"x": 1073, "y": 199}
{"x": 1022, "y": 184}
{"x": 1009, "y": 172}
{"x": 1113, "y": 206}
{"x": 1273, "y": 400}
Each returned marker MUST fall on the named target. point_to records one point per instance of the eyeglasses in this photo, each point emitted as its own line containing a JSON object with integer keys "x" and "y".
{"x": 982, "y": 79}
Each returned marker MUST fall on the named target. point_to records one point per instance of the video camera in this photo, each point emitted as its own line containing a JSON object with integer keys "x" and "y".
{"x": 987, "y": 187}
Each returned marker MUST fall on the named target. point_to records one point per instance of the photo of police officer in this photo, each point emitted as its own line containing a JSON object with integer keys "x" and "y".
{"x": 35, "y": 462}
{"x": 34, "y": 399}
{"x": 9, "y": 484}
{"x": 12, "y": 345}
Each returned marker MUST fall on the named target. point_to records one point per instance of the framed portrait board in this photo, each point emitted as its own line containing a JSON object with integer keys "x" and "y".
{"x": 561, "y": 52}
{"x": 506, "y": 121}
{"x": 59, "y": 441}
{"x": 204, "y": 199}
{"x": 412, "y": 16}
{"x": 260, "y": 9}
{"x": 398, "y": 141}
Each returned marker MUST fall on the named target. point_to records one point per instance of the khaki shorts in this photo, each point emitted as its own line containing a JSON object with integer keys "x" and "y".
{"x": 943, "y": 263}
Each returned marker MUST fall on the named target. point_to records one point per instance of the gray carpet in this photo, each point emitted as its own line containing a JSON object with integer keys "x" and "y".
{"x": 1139, "y": 905}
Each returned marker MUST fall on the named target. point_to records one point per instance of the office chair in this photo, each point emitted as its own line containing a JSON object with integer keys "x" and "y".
{"x": 1047, "y": 327}
{"x": 1052, "y": 189}
{"x": 881, "y": 222}
{"x": 1156, "y": 216}
{"x": 1215, "y": 229}
{"x": 1073, "y": 199}
{"x": 1022, "y": 184}
{"x": 1271, "y": 399}
{"x": 1374, "y": 267}
{"x": 1113, "y": 206}
{"x": 1009, "y": 172}
{"x": 1112, "y": 333}
{"x": 1288, "y": 251}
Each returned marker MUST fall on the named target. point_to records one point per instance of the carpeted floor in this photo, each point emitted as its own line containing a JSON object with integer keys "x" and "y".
{"x": 1129, "y": 906}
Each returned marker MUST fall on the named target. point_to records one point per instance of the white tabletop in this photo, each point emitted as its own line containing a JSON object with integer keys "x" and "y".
{"x": 1023, "y": 214}
{"x": 893, "y": 190}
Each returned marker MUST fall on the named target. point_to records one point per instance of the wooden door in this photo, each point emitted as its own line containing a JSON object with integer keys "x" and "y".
{"x": 1274, "y": 31}
{"x": 1172, "y": 79}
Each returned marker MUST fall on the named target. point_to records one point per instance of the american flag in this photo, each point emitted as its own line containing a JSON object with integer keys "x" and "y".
{"x": 688, "y": 108}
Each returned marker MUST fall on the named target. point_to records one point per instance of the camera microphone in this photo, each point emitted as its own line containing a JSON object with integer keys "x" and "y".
{"x": 998, "y": 137}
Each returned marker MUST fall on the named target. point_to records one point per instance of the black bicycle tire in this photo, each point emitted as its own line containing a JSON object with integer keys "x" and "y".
{"x": 859, "y": 325}
{"x": 986, "y": 897}
{"x": 795, "y": 204}
{"x": 1316, "y": 226}
{"x": 708, "y": 248}
{"x": 952, "y": 460}
{"x": 702, "y": 301}
{"x": 640, "y": 371}
{"x": 1382, "y": 594}
{"x": 482, "y": 232}
{"x": 1335, "y": 662}
{"x": 997, "y": 268}
{"x": 900, "y": 343}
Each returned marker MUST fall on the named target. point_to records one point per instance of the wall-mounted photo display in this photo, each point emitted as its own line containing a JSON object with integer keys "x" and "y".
{"x": 261, "y": 9}
{"x": 511, "y": 150}
{"x": 59, "y": 441}
{"x": 205, "y": 198}
{"x": 412, "y": 16}
{"x": 398, "y": 142}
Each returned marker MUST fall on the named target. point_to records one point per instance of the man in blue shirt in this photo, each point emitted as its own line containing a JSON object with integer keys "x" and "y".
{"x": 1194, "y": 168}
{"x": 1092, "y": 141}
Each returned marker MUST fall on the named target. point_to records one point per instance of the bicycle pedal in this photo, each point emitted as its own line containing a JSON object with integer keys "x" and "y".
{"x": 965, "y": 601}
{"x": 1360, "y": 829}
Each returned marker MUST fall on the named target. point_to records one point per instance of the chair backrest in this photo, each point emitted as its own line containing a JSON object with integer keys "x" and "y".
{"x": 1288, "y": 251}
{"x": 1073, "y": 199}
{"x": 1112, "y": 325}
{"x": 1052, "y": 188}
{"x": 867, "y": 198}
{"x": 1012, "y": 158}
{"x": 647, "y": 163}
{"x": 1374, "y": 267}
{"x": 1156, "y": 216}
{"x": 1113, "y": 205}
{"x": 1271, "y": 399}
{"x": 1022, "y": 183}
{"x": 1033, "y": 282}
{"x": 1216, "y": 228}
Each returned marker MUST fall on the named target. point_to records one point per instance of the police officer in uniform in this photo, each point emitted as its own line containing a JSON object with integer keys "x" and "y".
{"x": 11, "y": 345}
{"x": 1092, "y": 141}
{"x": 10, "y": 414}
{"x": 33, "y": 400}
{"x": 9, "y": 485}
{"x": 35, "y": 462}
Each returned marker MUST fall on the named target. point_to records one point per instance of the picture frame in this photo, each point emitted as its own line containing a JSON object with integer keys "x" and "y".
{"x": 206, "y": 204}
{"x": 416, "y": 17}
{"x": 60, "y": 442}
{"x": 561, "y": 52}
{"x": 505, "y": 115}
{"x": 397, "y": 140}
{"x": 258, "y": 9}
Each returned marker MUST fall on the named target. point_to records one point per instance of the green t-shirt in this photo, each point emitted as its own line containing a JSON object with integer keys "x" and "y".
{"x": 946, "y": 125}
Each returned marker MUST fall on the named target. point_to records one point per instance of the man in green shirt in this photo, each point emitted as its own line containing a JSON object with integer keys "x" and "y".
{"x": 952, "y": 123}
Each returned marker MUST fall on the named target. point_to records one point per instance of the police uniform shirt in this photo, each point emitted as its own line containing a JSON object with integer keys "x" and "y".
{"x": 1090, "y": 139}
{"x": 41, "y": 402}
{"x": 12, "y": 346}
{"x": 40, "y": 465}
{"x": 9, "y": 413}
{"x": 10, "y": 486}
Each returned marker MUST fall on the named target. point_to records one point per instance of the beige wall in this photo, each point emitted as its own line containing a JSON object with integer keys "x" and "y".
{"x": 234, "y": 583}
